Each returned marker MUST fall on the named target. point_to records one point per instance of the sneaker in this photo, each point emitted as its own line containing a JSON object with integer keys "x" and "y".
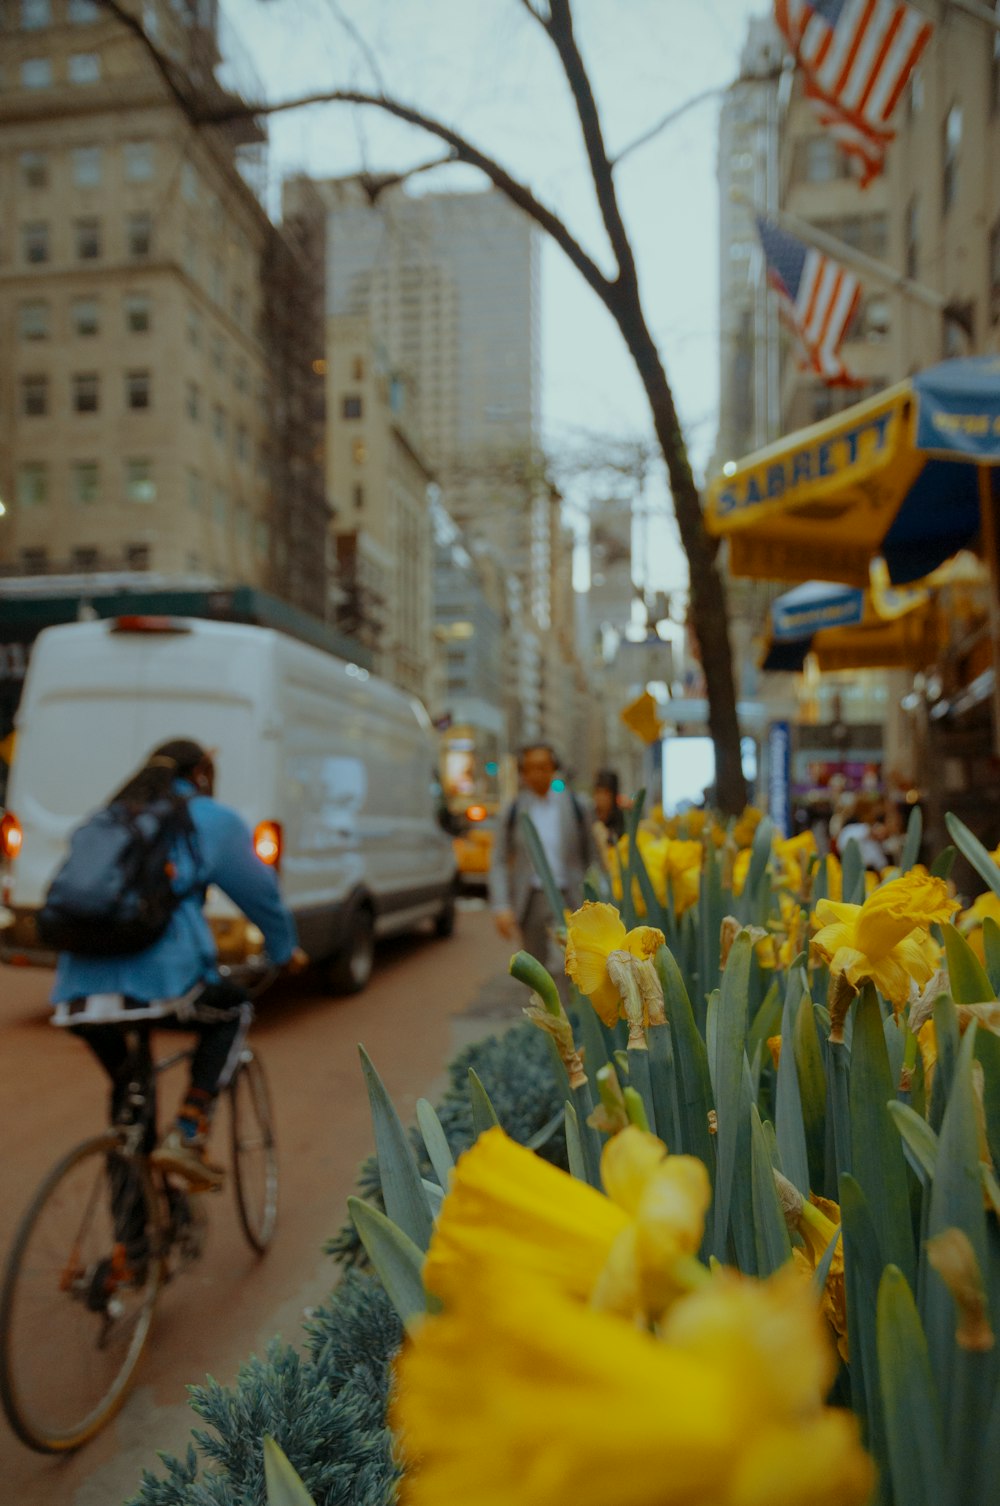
{"x": 187, "y": 1160}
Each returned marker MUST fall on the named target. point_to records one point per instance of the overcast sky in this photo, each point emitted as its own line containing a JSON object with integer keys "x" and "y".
{"x": 486, "y": 67}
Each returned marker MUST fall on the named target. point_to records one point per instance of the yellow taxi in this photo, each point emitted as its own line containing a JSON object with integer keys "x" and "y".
{"x": 474, "y": 848}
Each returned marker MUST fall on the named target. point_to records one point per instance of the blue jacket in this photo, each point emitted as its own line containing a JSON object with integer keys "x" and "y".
{"x": 185, "y": 954}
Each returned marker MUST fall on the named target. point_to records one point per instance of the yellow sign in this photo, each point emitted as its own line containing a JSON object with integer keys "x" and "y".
{"x": 7, "y": 747}
{"x": 640, "y": 717}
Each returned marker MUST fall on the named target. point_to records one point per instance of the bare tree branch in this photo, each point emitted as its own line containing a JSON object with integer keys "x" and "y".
{"x": 560, "y": 29}
{"x": 668, "y": 120}
{"x": 360, "y": 41}
{"x": 376, "y": 184}
{"x": 164, "y": 66}
{"x": 463, "y": 151}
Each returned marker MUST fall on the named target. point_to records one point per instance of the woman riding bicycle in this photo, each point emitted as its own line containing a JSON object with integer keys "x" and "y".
{"x": 214, "y": 846}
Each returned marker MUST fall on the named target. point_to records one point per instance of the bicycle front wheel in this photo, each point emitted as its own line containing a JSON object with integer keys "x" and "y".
{"x": 255, "y": 1159}
{"x": 77, "y": 1301}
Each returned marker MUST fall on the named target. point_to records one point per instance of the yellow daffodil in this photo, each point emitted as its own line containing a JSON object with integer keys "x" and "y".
{"x": 817, "y": 1221}
{"x": 595, "y": 933}
{"x": 885, "y": 939}
{"x": 506, "y": 1204}
{"x": 970, "y": 922}
{"x": 694, "y": 822}
{"x": 793, "y": 856}
{"x": 834, "y": 876}
{"x": 515, "y": 1393}
{"x": 679, "y": 873}
{"x": 630, "y": 1251}
{"x": 741, "y": 867}
{"x": 743, "y": 831}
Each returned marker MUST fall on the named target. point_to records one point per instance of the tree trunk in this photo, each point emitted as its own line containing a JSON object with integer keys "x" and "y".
{"x": 708, "y": 597}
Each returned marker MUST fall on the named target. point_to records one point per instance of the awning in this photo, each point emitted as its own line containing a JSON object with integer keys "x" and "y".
{"x": 897, "y": 476}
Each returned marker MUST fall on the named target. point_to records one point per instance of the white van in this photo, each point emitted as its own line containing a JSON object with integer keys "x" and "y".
{"x": 332, "y": 769}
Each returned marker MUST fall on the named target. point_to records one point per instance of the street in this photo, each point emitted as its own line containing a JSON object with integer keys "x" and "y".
{"x": 427, "y": 1000}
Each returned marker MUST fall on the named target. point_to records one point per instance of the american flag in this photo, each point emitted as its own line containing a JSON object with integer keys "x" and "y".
{"x": 819, "y": 299}
{"x": 856, "y": 56}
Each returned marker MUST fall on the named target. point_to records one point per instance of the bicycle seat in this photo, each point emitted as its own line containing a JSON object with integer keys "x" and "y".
{"x": 119, "y": 1009}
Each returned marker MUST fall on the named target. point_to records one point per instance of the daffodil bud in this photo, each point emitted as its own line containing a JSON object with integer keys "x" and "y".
{"x": 952, "y": 1256}
{"x": 610, "y": 1116}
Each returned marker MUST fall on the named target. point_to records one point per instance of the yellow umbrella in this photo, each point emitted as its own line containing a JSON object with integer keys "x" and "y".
{"x": 905, "y": 475}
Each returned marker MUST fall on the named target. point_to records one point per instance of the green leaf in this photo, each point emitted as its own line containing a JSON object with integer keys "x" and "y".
{"x": 395, "y": 1258}
{"x": 484, "y": 1115}
{"x": 536, "y": 852}
{"x": 402, "y": 1188}
{"x": 822, "y": 1270}
{"x": 919, "y": 1140}
{"x": 770, "y": 1229}
{"x": 742, "y": 1224}
{"x": 435, "y": 1141}
{"x": 632, "y": 818}
{"x": 756, "y": 897}
{"x": 767, "y": 1020}
{"x": 853, "y": 874}
{"x": 812, "y": 1089}
{"x": 946, "y": 1033}
{"x": 973, "y": 851}
{"x": 944, "y": 863}
{"x": 694, "y": 1090}
{"x": 574, "y": 1145}
{"x": 663, "y": 1084}
{"x": 991, "y": 947}
{"x": 912, "y": 1409}
{"x": 710, "y": 917}
{"x": 914, "y": 835}
{"x": 956, "y": 1202}
{"x": 895, "y": 1045}
{"x": 729, "y": 1057}
{"x": 877, "y": 1160}
{"x": 863, "y": 1266}
{"x": 969, "y": 983}
{"x": 988, "y": 1056}
{"x": 788, "y": 1119}
{"x": 281, "y": 1481}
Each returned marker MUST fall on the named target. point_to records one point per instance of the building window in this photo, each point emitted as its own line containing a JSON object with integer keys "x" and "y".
{"x": 87, "y": 239}
{"x": 35, "y": 561}
{"x": 952, "y": 145}
{"x": 916, "y": 92}
{"x": 823, "y": 161}
{"x": 85, "y": 315}
{"x": 34, "y": 396}
{"x": 139, "y": 483}
{"x": 139, "y": 234}
{"x": 35, "y": 241}
{"x": 137, "y": 390}
{"x": 351, "y": 407}
{"x": 876, "y": 318}
{"x": 218, "y": 353}
{"x": 219, "y": 423}
{"x": 358, "y": 495}
{"x": 87, "y": 166}
{"x": 220, "y": 505}
{"x": 82, "y": 12}
{"x": 85, "y": 557}
{"x": 193, "y": 401}
{"x": 138, "y": 161}
{"x": 34, "y": 167}
{"x": 35, "y": 14}
{"x": 359, "y": 452}
{"x": 913, "y": 236}
{"x": 85, "y": 482}
{"x": 239, "y": 305}
{"x": 241, "y": 379}
{"x": 32, "y": 484}
{"x": 189, "y": 183}
{"x": 357, "y": 369}
{"x": 194, "y": 491}
{"x": 33, "y": 321}
{"x": 83, "y": 67}
{"x": 242, "y": 443}
{"x": 86, "y": 392}
{"x": 138, "y": 313}
{"x": 138, "y": 556}
{"x": 36, "y": 73}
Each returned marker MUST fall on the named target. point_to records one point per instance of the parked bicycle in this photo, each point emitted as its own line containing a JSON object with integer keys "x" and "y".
{"x": 105, "y": 1230}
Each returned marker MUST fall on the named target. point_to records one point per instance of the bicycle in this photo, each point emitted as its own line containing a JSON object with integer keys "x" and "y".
{"x": 104, "y": 1231}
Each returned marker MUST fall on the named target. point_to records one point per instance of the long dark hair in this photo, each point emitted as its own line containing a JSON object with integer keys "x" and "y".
{"x": 177, "y": 759}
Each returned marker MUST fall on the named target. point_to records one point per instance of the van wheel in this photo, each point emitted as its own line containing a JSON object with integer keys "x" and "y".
{"x": 444, "y": 921}
{"x": 350, "y": 970}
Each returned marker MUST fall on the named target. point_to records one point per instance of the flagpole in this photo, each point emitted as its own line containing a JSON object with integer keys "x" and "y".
{"x": 840, "y": 251}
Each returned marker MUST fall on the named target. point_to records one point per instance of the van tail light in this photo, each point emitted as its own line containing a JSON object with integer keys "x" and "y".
{"x": 476, "y": 813}
{"x": 136, "y": 622}
{"x": 267, "y": 842}
{"x": 11, "y": 835}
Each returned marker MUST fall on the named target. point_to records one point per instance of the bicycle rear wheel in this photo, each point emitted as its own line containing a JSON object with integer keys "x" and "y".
{"x": 74, "y": 1315}
{"x": 255, "y": 1160}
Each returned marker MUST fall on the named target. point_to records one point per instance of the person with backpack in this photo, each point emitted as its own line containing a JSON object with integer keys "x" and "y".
{"x": 564, "y": 829}
{"x": 126, "y": 914}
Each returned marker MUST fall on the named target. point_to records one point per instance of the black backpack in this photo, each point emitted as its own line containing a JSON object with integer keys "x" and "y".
{"x": 114, "y": 894}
